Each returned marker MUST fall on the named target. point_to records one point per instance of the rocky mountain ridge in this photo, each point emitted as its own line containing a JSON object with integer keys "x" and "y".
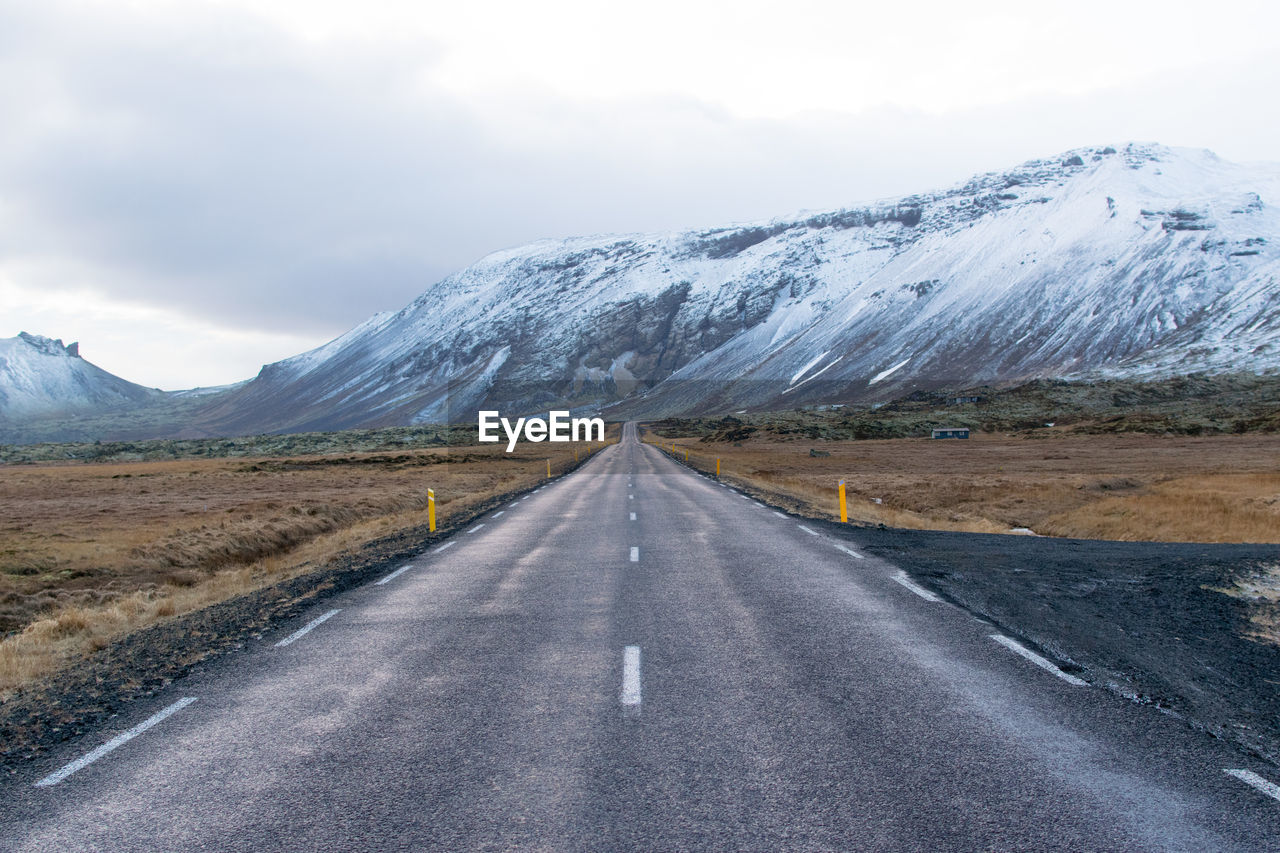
{"x": 1131, "y": 261}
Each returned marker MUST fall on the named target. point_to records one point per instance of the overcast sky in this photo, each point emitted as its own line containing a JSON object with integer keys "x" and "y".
{"x": 192, "y": 189}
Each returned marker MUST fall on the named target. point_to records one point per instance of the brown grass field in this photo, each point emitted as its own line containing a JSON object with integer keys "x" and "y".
{"x": 1223, "y": 488}
{"x": 90, "y": 552}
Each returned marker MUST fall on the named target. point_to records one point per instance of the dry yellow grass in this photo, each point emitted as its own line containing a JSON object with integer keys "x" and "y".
{"x": 91, "y": 552}
{"x": 1213, "y": 508}
{"x": 1125, "y": 487}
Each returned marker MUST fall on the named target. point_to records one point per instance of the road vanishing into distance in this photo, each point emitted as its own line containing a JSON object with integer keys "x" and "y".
{"x": 635, "y": 657}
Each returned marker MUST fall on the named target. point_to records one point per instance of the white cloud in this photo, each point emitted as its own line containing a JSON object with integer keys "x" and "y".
{"x": 146, "y": 343}
{"x": 757, "y": 59}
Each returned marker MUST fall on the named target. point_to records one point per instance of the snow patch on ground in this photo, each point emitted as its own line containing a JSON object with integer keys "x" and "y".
{"x": 885, "y": 374}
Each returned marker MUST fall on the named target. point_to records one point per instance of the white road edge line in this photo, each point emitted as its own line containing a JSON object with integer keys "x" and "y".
{"x": 397, "y": 573}
{"x": 635, "y": 554}
{"x": 498, "y": 513}
{"x": 477, "y": 527}
{"x": 807, "y": 530}
{"x": 780, "y": 514}
{"x": 298, "y": 634}
{"x": 117, "y": 741}
{"x": 1255, "y": 781}
{"x": 442, "y": 547}
{"x": 633, "y": 516}
{"x": 901, "y": 577}
{"x": 631, "y": 676}
{"x": 757, "y": 503}
{"x": 856, "y": 555}
{"x": 631, "y": 497}
{"x": 1045, "y": 664}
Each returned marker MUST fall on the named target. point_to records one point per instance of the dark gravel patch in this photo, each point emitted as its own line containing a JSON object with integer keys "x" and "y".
{"x": 1142, "y": 619}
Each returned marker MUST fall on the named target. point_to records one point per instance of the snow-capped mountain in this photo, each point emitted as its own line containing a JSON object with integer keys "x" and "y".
{"x": 1146, "y": 260}
{"x": 39, "y": 378}
{"x": 1142, "y": 261}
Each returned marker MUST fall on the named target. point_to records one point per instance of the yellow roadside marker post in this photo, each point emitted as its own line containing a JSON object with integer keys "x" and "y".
{"x": 717, "y": 466}
{"x": 844, "y": 508}
{"x": 548, "y": 469}
{"x": 431, "y": 510}
{"x": 686, "y": 456}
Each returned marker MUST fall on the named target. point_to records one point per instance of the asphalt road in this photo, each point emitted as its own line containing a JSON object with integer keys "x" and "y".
{"x": 635, "y": 657}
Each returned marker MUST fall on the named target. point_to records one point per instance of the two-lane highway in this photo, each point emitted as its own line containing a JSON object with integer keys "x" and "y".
{"x": 636, "y": 657}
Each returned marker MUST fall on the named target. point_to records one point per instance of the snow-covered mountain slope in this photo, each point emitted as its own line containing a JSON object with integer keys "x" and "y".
{"x": 40, "y": 378}
{"x": 1143, "y": 261}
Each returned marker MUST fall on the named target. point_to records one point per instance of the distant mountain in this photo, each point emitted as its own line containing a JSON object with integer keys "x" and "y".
{"x": 41, "y": 378}
{"x": 1141, "y": 261}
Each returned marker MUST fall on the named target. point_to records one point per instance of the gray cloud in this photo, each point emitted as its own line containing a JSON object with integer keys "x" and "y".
{"x": 213, "y": 164}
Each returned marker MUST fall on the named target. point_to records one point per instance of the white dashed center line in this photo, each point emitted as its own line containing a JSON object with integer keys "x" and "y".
{"x": 301, "y": 632}
{"x": 631, "y": 676}
{"x": 633, "y": 516}
{"x": 1254, "y": 780}
{"x": 635, "y": 554}
{"x": 1045, "y": 664}
{"x": 119, "y": 740}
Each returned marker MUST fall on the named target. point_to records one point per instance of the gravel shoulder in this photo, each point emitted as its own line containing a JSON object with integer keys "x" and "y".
{"x": 1146, "y": 620}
